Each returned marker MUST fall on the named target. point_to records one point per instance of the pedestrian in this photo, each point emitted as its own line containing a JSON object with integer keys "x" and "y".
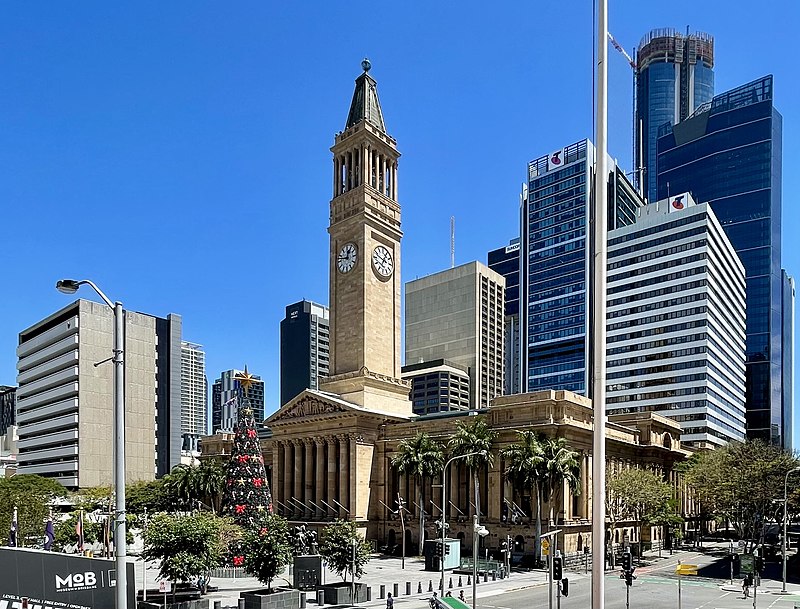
{"x": 746, "y": 583}
{"x": 449, "y": 594}
{"x": 389, "y": 601}
{"x": 461, "y": 596}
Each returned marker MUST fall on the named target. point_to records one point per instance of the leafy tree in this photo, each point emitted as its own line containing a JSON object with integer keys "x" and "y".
{"x": 267, "y": 548}
{"x": 739, "y": 482}
{"x": 181, "y": 484}
{"x": 93, "y": 498}
{"x": 525, "y": 469}
{"x": 210, "y": 483}
{"x": 31, "y": 495}
{"x": 336, "y": 547}
{"x": 421, "y": 457}
{"x": 153, "y": 496}
{"x": 476, "y": 436}
{"x": 185, "y": 546}
{"x": 636, "y": 494}
{"x": 666, "y": 516}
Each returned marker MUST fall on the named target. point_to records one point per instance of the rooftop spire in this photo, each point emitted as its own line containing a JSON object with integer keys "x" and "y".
{"x": 365, "y": 104}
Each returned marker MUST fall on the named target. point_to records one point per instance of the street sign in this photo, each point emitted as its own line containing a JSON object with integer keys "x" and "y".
{"x": 545, "y": 547}
{"x": 747, "y": 564}
{"x": 164, "y": 586}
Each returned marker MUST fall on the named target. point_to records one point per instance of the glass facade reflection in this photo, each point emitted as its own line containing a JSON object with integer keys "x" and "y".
{"x": 555, "y": 265}
{"x": 675, "y": 76}
{"x": 730, "y": 156}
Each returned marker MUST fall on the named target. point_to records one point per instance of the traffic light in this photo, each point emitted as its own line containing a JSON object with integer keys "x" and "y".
{"x": 565, "y": 587}
{"x": 439, "y": 550}
{"x": 629, "y": 577}
{"x": 447, "y": 549}
{"x": 626, "y": 561}
{"x": 557, "y": 570}
{"x": 759, "y": 564}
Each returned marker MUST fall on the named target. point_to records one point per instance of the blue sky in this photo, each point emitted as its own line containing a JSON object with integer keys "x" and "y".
{"x": 178, "y": 153}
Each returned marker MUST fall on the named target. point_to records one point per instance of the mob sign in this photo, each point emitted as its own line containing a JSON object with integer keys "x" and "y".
{"x": 50, "y": 580}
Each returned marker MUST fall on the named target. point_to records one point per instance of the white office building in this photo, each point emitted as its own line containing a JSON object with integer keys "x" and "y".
{"x": 676, "y": 321}
{"x": 194, "y": 395}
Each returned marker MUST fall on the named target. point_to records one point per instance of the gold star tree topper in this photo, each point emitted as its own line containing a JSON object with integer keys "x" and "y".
{"x": 246, "y": 380}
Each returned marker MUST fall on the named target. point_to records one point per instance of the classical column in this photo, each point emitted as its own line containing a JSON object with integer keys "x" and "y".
{"x": 298, "y": 470}
{"x": 344, "y": 470}
{"x": 452, "y": 492}
{"x": 353, "y": 478}
{"x": 494, "y": 494}
{"x": 286, "y": 473}
{"x": 333, "y": 461}
{"x": 320, "y": 478}
{"x": 402, "y": 480}
{"x": 308, "y": 475}
{"x": 277, "y": 474}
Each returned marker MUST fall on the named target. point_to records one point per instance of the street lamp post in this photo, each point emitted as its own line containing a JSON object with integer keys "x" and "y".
{"x": 444, "y": 507}
{"x": 785, "y": 510}
{"x": 70, "y": 286}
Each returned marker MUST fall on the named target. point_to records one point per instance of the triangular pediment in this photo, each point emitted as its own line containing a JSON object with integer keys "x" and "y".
{"x": 313, "y": 404}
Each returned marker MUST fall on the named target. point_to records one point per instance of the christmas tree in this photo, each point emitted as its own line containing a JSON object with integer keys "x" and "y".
{"x": 246, "y": 496}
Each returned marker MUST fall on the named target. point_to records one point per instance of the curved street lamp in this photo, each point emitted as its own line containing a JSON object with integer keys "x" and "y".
{"x": 444, "y": 508}
{"x": 70, "y": 286}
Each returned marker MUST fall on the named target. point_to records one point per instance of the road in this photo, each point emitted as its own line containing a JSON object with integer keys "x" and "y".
{"x": 655, "y": 588}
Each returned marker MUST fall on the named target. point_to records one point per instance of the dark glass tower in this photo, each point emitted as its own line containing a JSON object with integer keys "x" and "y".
{"x": 555, "y": 265}
{"x": 305, "y": 348}
{"x": 729, "y": 155}
{"x": 505, "y": 261}
{"x": 675, "y": 76}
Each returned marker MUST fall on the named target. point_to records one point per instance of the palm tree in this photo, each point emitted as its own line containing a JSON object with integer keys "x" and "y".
{"x": 421, "y": 457}
{"x": 525, "y": 469}
{"x": 210, "y": 482}
{"x": 182, "y": 482}
{"x": 561, "y": 464}
{"x": 474, "y": 437}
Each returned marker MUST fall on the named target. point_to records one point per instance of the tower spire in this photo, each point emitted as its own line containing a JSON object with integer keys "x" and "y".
{"x": 365, "y": 105}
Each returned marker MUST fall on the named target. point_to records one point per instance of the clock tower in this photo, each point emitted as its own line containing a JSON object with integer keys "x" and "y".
{"x": 365, "y": 288}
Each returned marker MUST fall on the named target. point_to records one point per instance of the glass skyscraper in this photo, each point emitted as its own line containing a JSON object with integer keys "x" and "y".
{"x": 505, "y": 261}
{"x": 675, "y": 75}
{"x": 729, "y": 155}
{"x": 555, "y": 265}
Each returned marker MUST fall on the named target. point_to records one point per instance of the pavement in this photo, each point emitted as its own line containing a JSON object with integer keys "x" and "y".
{"x": 383, "y": 570}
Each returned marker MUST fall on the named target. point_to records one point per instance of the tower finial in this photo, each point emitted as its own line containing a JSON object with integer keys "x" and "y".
{"x": 366, "y": 65}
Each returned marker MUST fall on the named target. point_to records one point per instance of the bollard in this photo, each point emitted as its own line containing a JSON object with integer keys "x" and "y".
{"x": 430, "y": 585}
{"x": 441, "y": 584}
{"x": 408, "y": 588}
{"x": 494, "y": 576}
{"x": 241, "y": 603}
{"x": 217, "y": 604}
{"x": 451, "y": 583}
{"x": 459, "y": 582}
{"x": 485, "y": 576}
{"x": 320, "y": 598}
{"x": 469, "y": 580}
{"x": 369, "y": 593}
{"x": 419, "y": 588}
{"x": 395, "y": 589}
{"x": 382, "y": 592}
{"x": 302, "y": 600}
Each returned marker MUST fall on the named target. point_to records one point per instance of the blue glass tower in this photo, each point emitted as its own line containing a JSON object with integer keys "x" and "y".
{"x": 674, "y": 76}
{"x": 555, "y": 265}
{"x": 729, "y": 154}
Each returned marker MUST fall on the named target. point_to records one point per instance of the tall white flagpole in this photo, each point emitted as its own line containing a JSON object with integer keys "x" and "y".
{"x": 599, "y": 255}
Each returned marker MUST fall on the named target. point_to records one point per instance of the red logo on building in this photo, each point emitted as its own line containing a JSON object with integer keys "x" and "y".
{"x": 678, "y": 203}
{"x": 555, "y": 160}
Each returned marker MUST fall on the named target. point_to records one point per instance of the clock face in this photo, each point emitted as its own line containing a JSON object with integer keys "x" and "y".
{"x": 347, "y": 258}
{"x": 382, "y": 261}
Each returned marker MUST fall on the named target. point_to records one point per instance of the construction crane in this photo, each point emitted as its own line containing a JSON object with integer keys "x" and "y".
{"x": 638, "y": 167}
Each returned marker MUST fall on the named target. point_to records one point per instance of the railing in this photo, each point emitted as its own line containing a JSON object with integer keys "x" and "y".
{"x": 483, "y": 566}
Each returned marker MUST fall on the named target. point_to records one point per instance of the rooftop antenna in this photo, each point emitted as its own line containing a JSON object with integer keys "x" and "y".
{"x": 452, "y": 242}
